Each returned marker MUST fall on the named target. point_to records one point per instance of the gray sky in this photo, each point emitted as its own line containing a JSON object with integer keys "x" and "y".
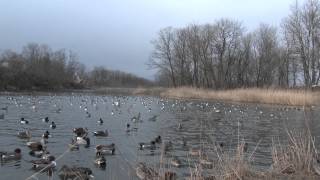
{"x": 117, "y": 33}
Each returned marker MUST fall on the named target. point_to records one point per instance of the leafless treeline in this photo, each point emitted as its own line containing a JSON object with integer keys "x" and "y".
{"x": 39, "y": 67}
{"x": 101, "y": 76}
{"x": 224, "y": 55}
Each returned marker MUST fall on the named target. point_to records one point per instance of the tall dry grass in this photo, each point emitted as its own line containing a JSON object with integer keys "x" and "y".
{"x": 298, "y": 157}
{"x": 253, "y": 95}
{"x": 296, "y": 160}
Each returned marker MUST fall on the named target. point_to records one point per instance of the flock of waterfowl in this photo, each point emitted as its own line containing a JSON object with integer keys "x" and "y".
{"x": 44, "y": 160}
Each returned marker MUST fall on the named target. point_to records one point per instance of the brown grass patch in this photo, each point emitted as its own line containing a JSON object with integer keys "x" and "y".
{"x": 254, "y": 95}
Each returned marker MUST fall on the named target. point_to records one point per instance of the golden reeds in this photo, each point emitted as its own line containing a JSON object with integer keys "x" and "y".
{"x": 253, "y": 95}
{"x": 299, "y": 156}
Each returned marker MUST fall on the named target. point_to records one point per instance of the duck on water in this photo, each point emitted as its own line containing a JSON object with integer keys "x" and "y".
{"x": 101, "y": 162}
{"x": 46, "y": 119}
{"x": 100, "y": 121}
{"x": 101, "y": 133}
{"x": 24, "y": 134}
{"x": 75, "y": 172}
{"x": 45, "y": 165}
{"x": 53, "y": 125}
{"x": 23, "y": 121}
{"x": 10, "y": 156}
{"x": 105, "y": 149}
{"x": 80, "y": 132}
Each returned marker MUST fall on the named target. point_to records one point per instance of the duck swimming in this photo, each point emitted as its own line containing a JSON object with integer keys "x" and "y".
{"x": 105, "y": 149}
{"x": 88, "y": 114}
{"x": 75, "y": 172}
{"x": 24, "y": 135}
{"x": 10, "y": 156}
{"x": 151, "y": 145}
{"x": 35, "y": 145}
{"x": 82, "y": 141}
{"x": 38, "y": 150}
{"x": 46, "y": 119}
{"x": 101, "y": 133}
{"x": 53, "y": 125}
{"x": 101, "y": 162}
{"x": 23, "y": 121}
{"x": 128, "y": 127}
{"x": 100, "y": 121}
{"x": 158, "y": 139}
{"x": 46, "y": 135}
{"x": 80, "y": 132}
{"x": 40, "y": 164}
{"x": 4, "y": 108}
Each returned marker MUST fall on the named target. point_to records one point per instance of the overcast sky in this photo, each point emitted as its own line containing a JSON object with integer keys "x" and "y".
{"x": 117, "y": 33}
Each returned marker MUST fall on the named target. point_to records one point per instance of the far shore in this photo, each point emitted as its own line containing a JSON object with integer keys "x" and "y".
{"x": 289, "y": 97}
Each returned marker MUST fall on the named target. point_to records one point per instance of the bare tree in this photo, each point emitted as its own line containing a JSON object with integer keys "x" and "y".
{"x": 302, "y": 28}
{"x": 163, "y": 56}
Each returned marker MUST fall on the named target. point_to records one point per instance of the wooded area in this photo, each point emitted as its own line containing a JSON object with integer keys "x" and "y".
{"x": 225, "y": 55}
{"x": 38, "y": 67}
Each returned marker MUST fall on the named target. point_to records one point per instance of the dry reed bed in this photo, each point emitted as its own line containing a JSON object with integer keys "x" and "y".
{"x": 300, "y": 156}
{"x": 298, "y": 159}
{"x": 268, "y": 96}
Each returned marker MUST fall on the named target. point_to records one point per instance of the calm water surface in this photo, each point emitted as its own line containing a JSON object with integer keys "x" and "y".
{"x": 204, "y": 124}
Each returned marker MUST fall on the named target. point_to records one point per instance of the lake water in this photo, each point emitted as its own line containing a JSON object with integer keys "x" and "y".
{"x": 203, "y": 124}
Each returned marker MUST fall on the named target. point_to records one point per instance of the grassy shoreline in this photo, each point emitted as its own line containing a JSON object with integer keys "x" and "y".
{"x": 289, "y": 97}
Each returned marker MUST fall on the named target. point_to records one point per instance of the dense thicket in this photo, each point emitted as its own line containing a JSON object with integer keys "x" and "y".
{"x": 40, "y": 68}
{"x": 224, "y": 55}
